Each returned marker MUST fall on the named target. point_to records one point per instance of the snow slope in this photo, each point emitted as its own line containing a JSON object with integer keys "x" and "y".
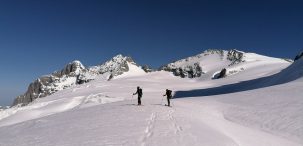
{"x": 133, "y": 71}
{"x": 67, "y": 99}
{"x": 103, "y": 112}
{"x": 209, "y": 64}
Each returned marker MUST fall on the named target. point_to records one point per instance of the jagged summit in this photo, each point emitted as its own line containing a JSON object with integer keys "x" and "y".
{"x": 77, "y": 64}
{"x": 120, "y": 57}
{"x": 115, "y": 66}
{"x": 75, "y": 68}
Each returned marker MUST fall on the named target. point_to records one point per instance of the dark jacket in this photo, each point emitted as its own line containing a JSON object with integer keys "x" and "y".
{"x": 139, "y": 92}
{"x": 168, "y": 94}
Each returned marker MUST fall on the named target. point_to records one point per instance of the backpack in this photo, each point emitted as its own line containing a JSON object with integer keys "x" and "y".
{"x": 140, "y": 92}
{"x": 169, "y": 93}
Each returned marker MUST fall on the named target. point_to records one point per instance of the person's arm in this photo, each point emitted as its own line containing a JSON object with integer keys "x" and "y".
{"x": 135, "y": 93}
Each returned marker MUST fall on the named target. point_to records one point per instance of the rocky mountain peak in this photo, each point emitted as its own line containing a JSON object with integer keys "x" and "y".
{"x": 73, "y": 69}
{"x": 115, "y": 66}
{"x": 120, "y": 59}
{"x": 72, "y": 74}
{"x": 49, "y": 84}
{"x": 77, "y": 64}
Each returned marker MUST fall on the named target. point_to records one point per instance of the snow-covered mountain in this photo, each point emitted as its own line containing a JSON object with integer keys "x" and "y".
{"x": 208, "y": 64}
{"x": 72, "y": 74}
{"x": 212, "y": 62}
{"x": 260, "y": 105}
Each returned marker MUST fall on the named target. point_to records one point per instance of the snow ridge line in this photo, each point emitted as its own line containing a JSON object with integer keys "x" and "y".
{"x": 149, "y": 129}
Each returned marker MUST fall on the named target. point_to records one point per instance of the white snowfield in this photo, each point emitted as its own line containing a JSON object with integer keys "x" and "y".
{"x": 259, "y": 106}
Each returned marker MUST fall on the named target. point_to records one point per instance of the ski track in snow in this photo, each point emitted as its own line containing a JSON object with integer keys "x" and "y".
{"x": 173, "y": 120}
{"x": 170, "y": 128}
{"x": 163, "y": 125}
{"x": 149, "y": 129}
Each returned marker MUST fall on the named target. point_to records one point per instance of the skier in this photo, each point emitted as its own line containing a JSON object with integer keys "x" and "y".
{"x": 139, "y": 92}
{"x": 168, "y": 95}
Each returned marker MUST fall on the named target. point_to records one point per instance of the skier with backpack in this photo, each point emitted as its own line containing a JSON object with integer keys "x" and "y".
{"x": 140, "y": 93}
{"x": 168, "y": 95}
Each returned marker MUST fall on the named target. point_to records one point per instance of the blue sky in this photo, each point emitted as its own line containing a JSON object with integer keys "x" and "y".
{"x": 38, "y": 37}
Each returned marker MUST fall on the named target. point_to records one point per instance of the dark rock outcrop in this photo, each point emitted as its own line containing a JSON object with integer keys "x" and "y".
{"x": 186, "y": 71}
{"x": 222, "y": 74}
{"x": 146, "y": 68}
{"x": 235, "y": 56}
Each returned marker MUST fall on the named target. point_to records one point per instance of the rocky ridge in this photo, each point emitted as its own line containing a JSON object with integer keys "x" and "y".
{"x": 72, "y": 74}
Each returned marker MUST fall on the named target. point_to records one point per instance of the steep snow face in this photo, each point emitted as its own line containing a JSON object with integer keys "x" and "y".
{"x": 210, "y": 63}
{"x": 133, "y": 70}
{"x": 72, "y": 74}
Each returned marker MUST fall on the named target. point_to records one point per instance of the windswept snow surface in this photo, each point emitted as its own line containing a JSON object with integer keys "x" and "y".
{"x": 104, "y": 112}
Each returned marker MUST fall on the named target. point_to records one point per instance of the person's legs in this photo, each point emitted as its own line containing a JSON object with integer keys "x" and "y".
{"x": 168, "y": 102}
{"x": 139, "y": 100}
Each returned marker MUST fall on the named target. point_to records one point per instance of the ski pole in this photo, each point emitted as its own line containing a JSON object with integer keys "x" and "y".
{"x": 162, "y": 100}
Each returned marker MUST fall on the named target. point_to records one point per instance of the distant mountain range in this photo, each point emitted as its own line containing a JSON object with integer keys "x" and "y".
{"x": 209, "y": 64}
